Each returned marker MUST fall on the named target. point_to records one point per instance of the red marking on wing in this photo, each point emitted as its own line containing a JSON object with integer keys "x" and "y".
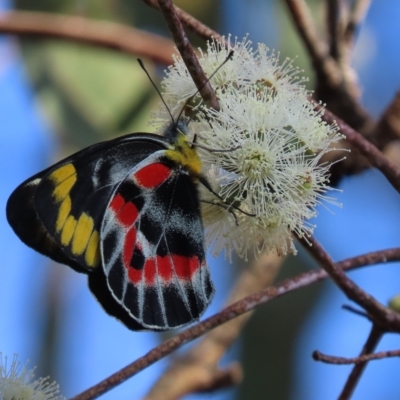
{"x": 185, "y": 267}
{"x": 165, "y": 268}
{"x": 130, "y": 240}
{"x": 117, "y": 202}
{"x": 152, "y": 175}
{"x": 162, "y": 267}
{"x": 135, "y": 275}
{"x": 128, "y": 214}
{"x": 150, "y": 271}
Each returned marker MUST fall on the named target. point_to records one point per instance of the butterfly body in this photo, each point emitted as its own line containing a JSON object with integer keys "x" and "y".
{"x": 126, "y": 212}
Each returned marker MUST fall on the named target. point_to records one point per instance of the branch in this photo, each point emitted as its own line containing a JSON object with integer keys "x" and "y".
{"x": 188, "y": 55}
{"x": 380, "y": 314}
{"x": 387, "y": 129}
{"x": 358, "y": 12}
{"x": 331, "y": 23}
{"x": 373, "y": 339}
{"x": 355, "y": 16}
{"x": 236, "y": 309}
{"x": 191, "y": 23}
{"x": 360, "y": 361}
{"x": 336, "y": 82}
{"x": 367, "y": 149}
{"x": 337, "y": 15}
{"x": 80, "y": 29}
{"x": 354, "y": 310}
{"x": 199, "y": 366}
{"x": 325, "y": 66}
{"x": 343, "y": 20}
{"x": 318, "y": 356}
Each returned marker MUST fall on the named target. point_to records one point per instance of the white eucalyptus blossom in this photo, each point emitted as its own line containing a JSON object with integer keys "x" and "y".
{"x": 17, "y": 383}
{"x": 267, "y": 172}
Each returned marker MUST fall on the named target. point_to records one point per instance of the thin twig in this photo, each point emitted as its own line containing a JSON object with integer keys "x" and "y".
{"x": 357, "y": 15}
{"x": 318, "y": 356}
{"x": 80, "y": 29}
{"x": 380, "y": 314}
{"x": 387, "y": 129}
{"x": 333, "y": 19}
{"x": 338, "y": 11}
{"x": 336, "y": 81}
{"x": 353, "y": 19}
{"x": 192, "y": 23}
{"x": 236, "y": 309}
{"x": 367, "y": 149}
{"x": 373, "y": 339}
{"x": 188, "y": 55}
{"x": 325, "y": 66}
{"x": 354, "y": 310}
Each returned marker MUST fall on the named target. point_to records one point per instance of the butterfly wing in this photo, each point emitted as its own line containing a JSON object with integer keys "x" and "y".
{"x": 24, "y": 220}
{"x": 58, "y": 211}
{"x": 152, "y": 246}
{"x": 62, "y": 211}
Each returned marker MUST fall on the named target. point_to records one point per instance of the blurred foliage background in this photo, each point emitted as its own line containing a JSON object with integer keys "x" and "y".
{"x": 90, "y": 93}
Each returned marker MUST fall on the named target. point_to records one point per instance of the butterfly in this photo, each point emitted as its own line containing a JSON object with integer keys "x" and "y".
{"x": 126, "y": 212}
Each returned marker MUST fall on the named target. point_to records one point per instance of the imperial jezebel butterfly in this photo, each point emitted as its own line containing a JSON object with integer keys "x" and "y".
{"x": 126, "y": 212}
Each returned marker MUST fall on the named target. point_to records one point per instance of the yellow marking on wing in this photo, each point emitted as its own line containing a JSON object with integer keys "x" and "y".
{"x": 79, "y": 235}
{"x": 92, "y": 254}
{"x": 82, "y": 233}
{"x": 68, "y": 230}
{"x": 62, "y": 190}
{"x": 62, "y": 173}
{"x": 63, "y": 213}
{"x": 185, "y": 155}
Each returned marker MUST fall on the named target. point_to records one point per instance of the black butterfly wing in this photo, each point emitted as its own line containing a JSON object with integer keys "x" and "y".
{"x": 44, "y": 209}
{"x": 153, "y": 246}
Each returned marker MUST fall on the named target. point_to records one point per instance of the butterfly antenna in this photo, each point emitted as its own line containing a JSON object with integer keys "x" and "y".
{"x": 158, "y": 91}
{"x": 229, "y": 56}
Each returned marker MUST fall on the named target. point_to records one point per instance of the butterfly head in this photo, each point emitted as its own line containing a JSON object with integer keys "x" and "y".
{"x": 175, "y": 129}
{"x": 181, "y": 151}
